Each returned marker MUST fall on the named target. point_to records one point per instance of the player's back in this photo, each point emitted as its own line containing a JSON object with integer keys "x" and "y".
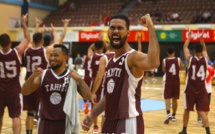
{"x": 87, "y": 78}
{"x": 10, "y": 63}
{"x": 94, "y": 64}
{"x": 196, "y": 73}
{"x": 35, "y": 57}
{"x": 172, "y": 69}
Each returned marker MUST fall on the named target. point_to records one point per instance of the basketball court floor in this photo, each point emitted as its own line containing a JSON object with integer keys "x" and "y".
{"x": 154, "y": 113}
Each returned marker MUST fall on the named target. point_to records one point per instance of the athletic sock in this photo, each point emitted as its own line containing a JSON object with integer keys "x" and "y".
{"x": 28, "y": 131}
{"x": 207, "y": 130}
{"x": 167, "y": 112}
{"x": 173, "y": 114}
{"x": 184, "y": 129}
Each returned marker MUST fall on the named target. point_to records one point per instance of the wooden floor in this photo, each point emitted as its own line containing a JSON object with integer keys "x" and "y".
{"x": 153, "y": 119}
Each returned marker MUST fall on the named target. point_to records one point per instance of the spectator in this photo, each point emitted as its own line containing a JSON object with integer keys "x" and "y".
{"x": 175, "y": 17}
{"x": 106, "y": 18}
{"x": 206, "y": 16}
{"x": 72, "y": 6}
{"x": 168, "y": 17}
{"x": 197, "y": 18}
{"x": 17, "y": 24}
{"x": 158, "y": 14}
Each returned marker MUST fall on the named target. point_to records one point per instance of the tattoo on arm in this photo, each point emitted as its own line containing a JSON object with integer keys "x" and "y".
{"x": 84, "y": 90}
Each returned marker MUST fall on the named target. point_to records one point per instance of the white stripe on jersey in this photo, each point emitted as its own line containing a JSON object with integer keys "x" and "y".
{"x": 133, "y": 83}
{"x": 130, "y": 126}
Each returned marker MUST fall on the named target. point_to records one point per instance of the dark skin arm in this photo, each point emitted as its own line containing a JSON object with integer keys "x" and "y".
{"x": 82, "y": 88}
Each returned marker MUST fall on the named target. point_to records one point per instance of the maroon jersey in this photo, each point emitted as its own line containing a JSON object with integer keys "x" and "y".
{"x": 87, "y": 78}
{"x": 94, "y": 64}
{"x": 196, "y": 73}
{"x": 10, "y": 64}
{"x": 108, "y": 56}
{"x": 35, "y": 57}
{"x": 53, "y": 93}
{"x": 122, "y": 90}
{"x": 172, "y": 68}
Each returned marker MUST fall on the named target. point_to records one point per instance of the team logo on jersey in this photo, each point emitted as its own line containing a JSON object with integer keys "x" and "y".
{"x": 110, "y": 86}
{"x": 66, "y": 81}
{"x": 122, "y": 61}
{"x": 55, "y": 98}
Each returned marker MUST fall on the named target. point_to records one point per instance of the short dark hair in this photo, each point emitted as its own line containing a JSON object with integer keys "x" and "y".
{"x": 198, "y": 48}
{"x": 170, "y": 50}
{"x": 4, "y": 40}
{"x": 123, "y": 17}
{"x": 48, "y": 38}
{"x": 99, "y": 44}
{"x": 63, "y": 48}
{"x": 37, "y": 38}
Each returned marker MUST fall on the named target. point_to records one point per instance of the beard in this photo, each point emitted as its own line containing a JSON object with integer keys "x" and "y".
{"x": 122, "y": 42}
{"x": 54, "y": 67}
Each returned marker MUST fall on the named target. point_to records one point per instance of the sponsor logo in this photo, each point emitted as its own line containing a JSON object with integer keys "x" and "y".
{"x": 90, "y": 36}
{"x": 163, "y": 35}
{"x": 196, "y": 35}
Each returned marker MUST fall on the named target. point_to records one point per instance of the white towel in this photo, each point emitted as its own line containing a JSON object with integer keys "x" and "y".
{"x": 71, "y": 109}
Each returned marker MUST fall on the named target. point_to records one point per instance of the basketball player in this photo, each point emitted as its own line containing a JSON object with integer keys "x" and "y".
{"x": 87, "y": 77}
{"x": 97, "y": 85}
{"x": 37, "y": 56}
{"x": 33, "y": 56}
{"x": 10, "y": 88}
{"x": 53, "y": 83}
{"x": 100, "y": 73}
{"x": 94, "y": 66}
{"x": 195, "y": 92}
{"x": 171, "y": 66}
{"x": 123, "y": 79}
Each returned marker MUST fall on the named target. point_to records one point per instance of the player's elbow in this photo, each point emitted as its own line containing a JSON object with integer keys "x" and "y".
{"x": 156, "y": 64}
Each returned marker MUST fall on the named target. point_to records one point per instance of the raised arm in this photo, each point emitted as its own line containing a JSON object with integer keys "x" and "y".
{"x": 186, "y": 44}
{"x": 181, "y": 65}
{"x": 151, "y": 60}
{"x": 32, "y": 83}
{"x": 56, "y": 40}
{"x": 63, "y": 34}
{"x": 202, "y": 42}
{"x": 54, "y": 32}
{"x": 82, "y": 88}
{"x": 24, "y": 43}
{"x": 37, "y": 25}
{"x": 139, "y": 44}
{"x": 90, "y": 51}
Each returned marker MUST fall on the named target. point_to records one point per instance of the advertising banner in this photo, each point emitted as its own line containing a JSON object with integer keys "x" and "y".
{"x": 169, "y": 36}
{"x": 209, "y": 35}
{"x": 133, "y": 36}
{"x": 86, "y": 36}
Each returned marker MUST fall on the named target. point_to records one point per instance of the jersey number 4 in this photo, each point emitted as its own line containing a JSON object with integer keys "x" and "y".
{"x": 172, "y": 69}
